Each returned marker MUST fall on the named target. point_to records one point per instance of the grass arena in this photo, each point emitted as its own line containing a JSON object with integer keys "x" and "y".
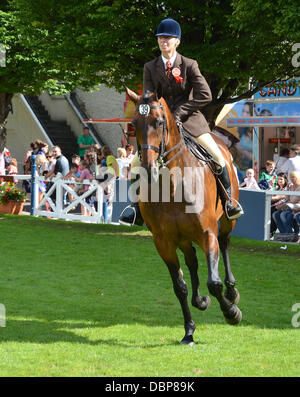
{"x": 91, "y": 300}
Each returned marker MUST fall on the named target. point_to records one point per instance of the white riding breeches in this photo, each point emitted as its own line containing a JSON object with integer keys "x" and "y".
{"x": 208, "y": 142}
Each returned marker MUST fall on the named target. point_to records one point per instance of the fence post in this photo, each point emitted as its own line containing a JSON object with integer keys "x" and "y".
{"x": 33, "y": 185}
{"x": 268, "y": 200}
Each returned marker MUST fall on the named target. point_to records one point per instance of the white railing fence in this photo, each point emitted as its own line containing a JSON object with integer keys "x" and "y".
{"x": 53, "y": 202}
{"x": 61, "y": 198}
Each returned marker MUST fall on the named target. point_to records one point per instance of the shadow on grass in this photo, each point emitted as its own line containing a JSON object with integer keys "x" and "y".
{"x": 137, "y": 290}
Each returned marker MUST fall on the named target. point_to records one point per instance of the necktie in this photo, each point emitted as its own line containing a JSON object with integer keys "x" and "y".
{"x": 168, "y": 69}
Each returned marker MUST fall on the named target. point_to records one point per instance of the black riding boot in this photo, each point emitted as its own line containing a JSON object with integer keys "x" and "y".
{"x": 230, "y": 210}
{"x": 135, "y": 216}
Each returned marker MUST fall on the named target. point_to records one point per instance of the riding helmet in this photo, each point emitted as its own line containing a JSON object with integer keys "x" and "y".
{"x": 169, "y": 27}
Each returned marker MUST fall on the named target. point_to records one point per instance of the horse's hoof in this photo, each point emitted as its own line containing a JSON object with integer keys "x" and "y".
{"x": 232, "y": 295}
{"x": 203, "y": 304}
{"x": 187, "y": 340}
{"x": 236, "y": 319}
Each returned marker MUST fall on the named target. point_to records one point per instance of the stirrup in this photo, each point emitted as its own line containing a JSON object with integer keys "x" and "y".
{"x": 238, "y": 207}
{"x": 134, "y": 216}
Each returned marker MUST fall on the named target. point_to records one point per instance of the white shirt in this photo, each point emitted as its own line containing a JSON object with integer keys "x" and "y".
{"x": 172, "y": 60}
{"x": 280, "y": 164}
{"x": 292, "y": 164}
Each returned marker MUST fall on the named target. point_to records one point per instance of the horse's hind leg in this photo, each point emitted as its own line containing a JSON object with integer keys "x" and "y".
{"x": 231, "y": 293}
{"x": 168, "y": 254}
{"x": 231, "y": 312}
{"x": 200, "y": 302}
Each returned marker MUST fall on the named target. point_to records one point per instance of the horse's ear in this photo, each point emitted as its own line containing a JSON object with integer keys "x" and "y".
{"x": 159, "y": 90}
{"x": 132, "y": 95}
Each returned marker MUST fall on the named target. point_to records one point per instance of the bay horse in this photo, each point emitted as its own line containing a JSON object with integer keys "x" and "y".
{"x": 171, "y": 222}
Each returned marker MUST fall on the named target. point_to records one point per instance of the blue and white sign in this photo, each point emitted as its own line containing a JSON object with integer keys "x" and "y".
{"x": 280, "y": 93}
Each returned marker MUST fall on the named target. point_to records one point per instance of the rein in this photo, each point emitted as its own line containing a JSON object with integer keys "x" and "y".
{"x": 144, "y": 110}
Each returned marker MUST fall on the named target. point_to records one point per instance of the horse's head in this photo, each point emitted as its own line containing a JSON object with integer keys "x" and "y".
{"x": 150, "y": 125}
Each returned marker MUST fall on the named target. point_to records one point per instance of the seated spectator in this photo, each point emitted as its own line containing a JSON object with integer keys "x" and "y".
{"x": 297, "y": 217}
{"x": 268, "y": 175}
{"x": 284, "y": 217}
{"x": 282, "y": 185}
{"x": 123, "y": 162}
{"x": 250, "y": 181}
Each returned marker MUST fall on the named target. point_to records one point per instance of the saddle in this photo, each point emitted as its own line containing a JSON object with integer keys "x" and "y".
{"x": 197, "y": 150}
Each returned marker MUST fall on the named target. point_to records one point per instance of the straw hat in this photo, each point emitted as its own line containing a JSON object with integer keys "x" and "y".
{"x": 221, "y": 122}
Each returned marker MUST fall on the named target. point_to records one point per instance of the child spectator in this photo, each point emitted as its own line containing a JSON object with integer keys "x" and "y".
{"x": 85, "y": 174}
{"x": 13, "y": 167}
{"x": 250, "y": 181}
{"x": 268, "y": 176}
{"x": 124, "y": 164}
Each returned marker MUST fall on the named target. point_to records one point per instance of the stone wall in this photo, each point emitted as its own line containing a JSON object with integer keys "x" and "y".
{"x": 104, "y": 103}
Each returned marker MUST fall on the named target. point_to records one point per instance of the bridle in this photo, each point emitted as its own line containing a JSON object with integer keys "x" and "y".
{"x": 144, "y": 109}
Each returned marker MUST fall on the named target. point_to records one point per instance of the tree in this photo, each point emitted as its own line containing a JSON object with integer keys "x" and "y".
{"x": 61, "y": 45}
{"x": 233, "y": 40}
{"x": 27, "y": 67}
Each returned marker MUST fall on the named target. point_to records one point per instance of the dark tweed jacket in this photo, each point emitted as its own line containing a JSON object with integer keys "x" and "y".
{"x": 186, "y": 98}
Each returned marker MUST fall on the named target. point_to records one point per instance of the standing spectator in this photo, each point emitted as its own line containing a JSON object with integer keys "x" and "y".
{"x": 50, "y": 162}
{"x": 282, "y": 159}
{"x": 2, "y": 164}
{"x": 269, "y": 175}
{"x": 61, "y": 164}
{"x": 123, "y": 162}
{"x": 61, "y": 167}
{"x": 111, "y": 174}
{"x": 129, "y": 152}
{"x": 26, "y": 161}
{"x": 85, "y": 174}
{"x": 7, "y": 158}
{"x": 91, "y": 158}
{"x": 293, "y": 163}
{"x": 85, "y": 141}
{"x": 12, "y": 169}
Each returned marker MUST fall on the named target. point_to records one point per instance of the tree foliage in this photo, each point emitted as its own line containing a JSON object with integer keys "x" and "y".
{"x": 61, "y": 45}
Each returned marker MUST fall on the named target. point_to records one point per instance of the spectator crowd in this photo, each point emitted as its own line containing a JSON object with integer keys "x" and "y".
{"x": 92, "y": 163}
{"x": 97, "y": 163}
{"x": 284, "y": 175}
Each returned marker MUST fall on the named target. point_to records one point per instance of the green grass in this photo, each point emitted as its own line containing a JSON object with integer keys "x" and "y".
{"x": 97, "y": 300}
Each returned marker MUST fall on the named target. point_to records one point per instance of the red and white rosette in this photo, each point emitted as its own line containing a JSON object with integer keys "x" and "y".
{"x": 176, "y": 73}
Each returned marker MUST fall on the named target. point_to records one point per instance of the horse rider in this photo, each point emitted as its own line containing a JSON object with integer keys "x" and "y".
{"x": 186, "y": 92}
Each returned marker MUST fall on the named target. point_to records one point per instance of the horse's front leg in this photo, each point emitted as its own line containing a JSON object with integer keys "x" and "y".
{"x": 231, "y": 292}
{"x": 168, "y": 253}
{"x": 198, "y": 301}
{"x": 231, "y": 312}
